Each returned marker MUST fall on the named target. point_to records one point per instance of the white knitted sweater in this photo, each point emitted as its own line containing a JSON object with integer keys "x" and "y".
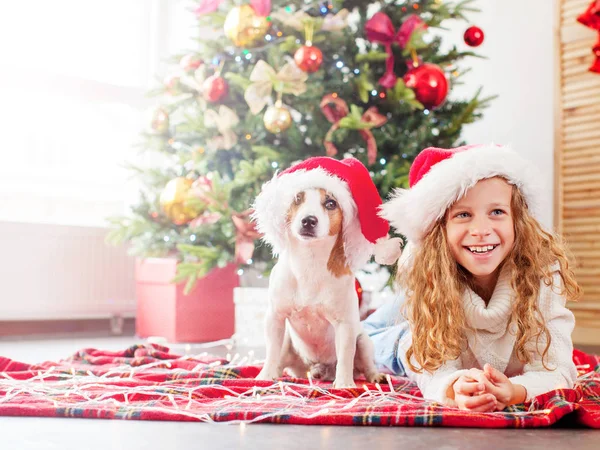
{"x": 493, "y": 341}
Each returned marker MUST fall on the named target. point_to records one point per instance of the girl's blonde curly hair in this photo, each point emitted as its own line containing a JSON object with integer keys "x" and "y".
{"x": 435, "y": 283}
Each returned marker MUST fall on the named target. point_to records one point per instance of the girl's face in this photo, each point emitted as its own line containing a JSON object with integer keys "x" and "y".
{"x": 480, "y": 229}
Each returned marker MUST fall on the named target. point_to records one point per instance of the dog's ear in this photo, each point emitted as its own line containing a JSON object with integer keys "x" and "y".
{"x": 337, "y": 263}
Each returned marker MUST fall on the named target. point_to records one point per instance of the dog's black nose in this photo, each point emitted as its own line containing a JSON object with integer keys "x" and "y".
{"x": 309, "y": 222}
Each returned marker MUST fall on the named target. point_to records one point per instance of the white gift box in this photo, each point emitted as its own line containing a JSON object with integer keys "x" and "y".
{"x": 250, "y": 309}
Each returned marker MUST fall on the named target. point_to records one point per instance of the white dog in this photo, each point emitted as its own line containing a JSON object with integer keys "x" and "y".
{"x": 309, "y": 214}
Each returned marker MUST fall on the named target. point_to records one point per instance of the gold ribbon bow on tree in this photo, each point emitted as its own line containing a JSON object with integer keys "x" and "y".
{"x": 291, "y": 19}
{"x": 336, "y": 111}
{"x": 196, "y": 79}
{"x": 264, "y": 80}
{"x": 298, "y": 20}
{"x": 245, "y": 235}
{"x": 223, "y": 121}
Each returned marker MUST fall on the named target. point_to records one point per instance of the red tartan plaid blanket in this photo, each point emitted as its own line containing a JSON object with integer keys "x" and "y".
{"x": 146, "y": 382}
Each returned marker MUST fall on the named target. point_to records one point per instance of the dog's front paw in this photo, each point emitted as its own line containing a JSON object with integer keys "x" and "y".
{"x": 343, "y": 383}
{"x": 376, "y": 377}
{"x": 268, "y": 374}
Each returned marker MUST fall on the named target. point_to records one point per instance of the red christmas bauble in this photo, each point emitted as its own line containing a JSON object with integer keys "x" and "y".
{"x": 214, "y": 88}
{"x": 429, "y": 83}
{"x": 190, "y": 62}
{"x": 308, "y": 58}
{"x": 473, "y": 36}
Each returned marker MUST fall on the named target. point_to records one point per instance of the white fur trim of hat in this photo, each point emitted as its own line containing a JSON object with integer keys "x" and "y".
{"x": 440, "y": 177}
{"x": 272, "y": 204}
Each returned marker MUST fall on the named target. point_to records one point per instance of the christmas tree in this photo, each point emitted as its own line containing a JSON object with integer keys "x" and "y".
{"x": 274, "y": 82}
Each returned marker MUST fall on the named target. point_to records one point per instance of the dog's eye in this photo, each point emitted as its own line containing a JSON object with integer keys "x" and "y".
{"x": 330, "y": 204}
{"x": 299, "y": 198}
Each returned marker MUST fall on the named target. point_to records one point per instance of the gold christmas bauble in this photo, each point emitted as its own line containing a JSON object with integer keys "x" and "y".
{"x": 160, "y": 121}
{"x": 277, "y": 119}
{"x": 172, "y": 201}
{"x": 244, "y": 27}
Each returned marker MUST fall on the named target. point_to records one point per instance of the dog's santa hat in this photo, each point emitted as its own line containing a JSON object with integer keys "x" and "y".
{"x": 348, "y": 180}
{"x": 439, "y": 177}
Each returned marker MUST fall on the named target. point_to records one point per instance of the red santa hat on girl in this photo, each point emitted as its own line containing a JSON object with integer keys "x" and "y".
{"x": 439, "y": 177}
{"x": 348, "y": 180}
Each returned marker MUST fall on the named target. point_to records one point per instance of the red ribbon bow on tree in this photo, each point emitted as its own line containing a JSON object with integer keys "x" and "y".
{"x": 336, "y": 111}
{"x": 591, "y": 19}
{"x": 595, "y": 67}
{"x": 380, "y": 30}
{"x": 245, "y": 235}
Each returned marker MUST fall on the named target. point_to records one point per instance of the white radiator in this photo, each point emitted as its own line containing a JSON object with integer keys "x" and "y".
{"x": 62, "y": 272}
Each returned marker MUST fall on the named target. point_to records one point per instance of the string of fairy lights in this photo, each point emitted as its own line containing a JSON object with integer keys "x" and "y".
{"x": 81, "y": 389}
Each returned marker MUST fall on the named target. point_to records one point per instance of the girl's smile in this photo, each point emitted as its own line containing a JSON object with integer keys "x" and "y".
{"x": 481, "y": 252}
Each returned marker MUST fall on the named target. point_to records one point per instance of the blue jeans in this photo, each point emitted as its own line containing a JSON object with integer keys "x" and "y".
{"x": 386, "y": 327}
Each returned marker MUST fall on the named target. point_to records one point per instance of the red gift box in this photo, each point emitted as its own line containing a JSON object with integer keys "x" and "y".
{"x": 205, "y": 314}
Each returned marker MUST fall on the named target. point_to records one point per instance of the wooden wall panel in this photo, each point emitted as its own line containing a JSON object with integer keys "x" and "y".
{"x": 577, "y": 161}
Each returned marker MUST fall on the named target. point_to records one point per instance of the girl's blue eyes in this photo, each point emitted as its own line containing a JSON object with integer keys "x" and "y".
{"x": 464, "y": 215}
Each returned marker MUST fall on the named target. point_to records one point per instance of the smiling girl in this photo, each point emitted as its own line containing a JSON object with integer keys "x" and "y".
{"x": 484, "y": 284}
